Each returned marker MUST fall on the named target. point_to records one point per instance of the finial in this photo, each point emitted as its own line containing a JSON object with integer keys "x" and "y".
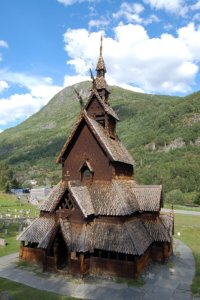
{"x": 101, "y": 46}
{"x": 93, "y": 80}
{"x": 80, "y": 99}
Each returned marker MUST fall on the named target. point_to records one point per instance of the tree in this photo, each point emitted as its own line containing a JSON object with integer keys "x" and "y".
{"x": 197, "y": 199}
{"x": 7, "y": 178}
{"x": 175, "y": 197}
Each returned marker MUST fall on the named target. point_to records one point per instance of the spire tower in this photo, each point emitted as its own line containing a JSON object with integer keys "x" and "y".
{"x": 100, "y": 82}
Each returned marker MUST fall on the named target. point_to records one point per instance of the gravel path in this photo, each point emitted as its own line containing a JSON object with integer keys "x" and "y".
{"x": 170, "y": 281}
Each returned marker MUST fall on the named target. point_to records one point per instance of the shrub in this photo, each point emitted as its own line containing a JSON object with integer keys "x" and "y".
{"x": 175, "y": 197}
{"x": 197, "y": 199}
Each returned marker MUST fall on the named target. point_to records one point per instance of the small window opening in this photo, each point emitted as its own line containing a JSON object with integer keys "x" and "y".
{"x": 86, "y": 174}
{"x": 100, "y": 119}
{"x": 86, "y": 171}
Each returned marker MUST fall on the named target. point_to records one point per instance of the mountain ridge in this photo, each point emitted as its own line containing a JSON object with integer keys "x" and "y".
{"x": 146, "y": 119}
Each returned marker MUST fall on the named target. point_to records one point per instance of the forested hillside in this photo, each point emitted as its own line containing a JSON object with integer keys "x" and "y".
{"x": 161, "y": 132}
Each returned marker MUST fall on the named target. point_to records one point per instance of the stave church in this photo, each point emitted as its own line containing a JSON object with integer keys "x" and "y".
{"x": 98, "y": 220}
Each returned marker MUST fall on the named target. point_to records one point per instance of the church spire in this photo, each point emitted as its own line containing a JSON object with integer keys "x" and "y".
{"x": 100, "y": 82}
{"x": 101, "y": 68}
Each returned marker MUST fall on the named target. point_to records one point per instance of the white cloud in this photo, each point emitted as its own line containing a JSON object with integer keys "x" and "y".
{"x": 76, "y": 43}
{"x": 173, "y": 6}
{"x": 19, "y": 106}
{"x": 190, "y": 37}
{"x": 1, "y": 130}
{"x": 196, "y": 6}
{"x": 168, "y": 27}
{"x": 196, "y": 17}
{"x": 99, "y": 23}
{"x": 71, "y": 2}
{"x": 151, "y": 19}
{"x": 3, "y": 44}
{"x": 130, "y": 11}
{"x": 3, "y": 86}
{"x": 166, "y": 64}
{"x": 70, "y": 80}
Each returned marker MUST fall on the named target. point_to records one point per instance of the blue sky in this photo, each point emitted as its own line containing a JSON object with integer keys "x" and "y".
{"x": 150, "y": 46}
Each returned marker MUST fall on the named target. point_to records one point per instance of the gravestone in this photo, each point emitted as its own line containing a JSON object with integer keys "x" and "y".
{"x": 20, "y": 227}
{"x": 2, "y": 242}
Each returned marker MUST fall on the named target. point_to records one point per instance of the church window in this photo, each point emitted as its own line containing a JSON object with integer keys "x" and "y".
{"x": 101, "y": 119}
{"x": 86, "y": 174}
{"x": 86, "y": 171}
{"x": 69, "y": 204}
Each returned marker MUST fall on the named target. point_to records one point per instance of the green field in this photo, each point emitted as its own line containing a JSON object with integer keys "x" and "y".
{"x": 22, "y": 292}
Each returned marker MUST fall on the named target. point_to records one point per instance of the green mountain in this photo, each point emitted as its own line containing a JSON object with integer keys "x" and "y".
{"x": 161, "y": 132}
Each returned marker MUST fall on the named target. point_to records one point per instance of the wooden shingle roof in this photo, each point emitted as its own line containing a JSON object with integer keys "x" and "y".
{"x": 54, "y": 197}
{"x": 116, "y": 197}
{"x": 131, "y": 237}
{"x": 148, "y": 197}
{"x": 39, "y": 231}
{"x": 107, "y": 198}
{"x": 101, "y": 64}
{"x": 113, "y": 147}
{"x": 82, "y": 197}
{"x": 108, "y": 109}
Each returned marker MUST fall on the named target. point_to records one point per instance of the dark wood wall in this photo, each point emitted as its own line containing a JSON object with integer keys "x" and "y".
{"x": 95, "y": 108}
{"x": 85, "y": 147}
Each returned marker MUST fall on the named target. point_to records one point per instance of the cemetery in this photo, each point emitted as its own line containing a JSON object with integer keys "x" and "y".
{"x": 15, "y": 215}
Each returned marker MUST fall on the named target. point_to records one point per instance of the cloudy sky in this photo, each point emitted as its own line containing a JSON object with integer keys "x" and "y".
{"x": 150, "y": 46}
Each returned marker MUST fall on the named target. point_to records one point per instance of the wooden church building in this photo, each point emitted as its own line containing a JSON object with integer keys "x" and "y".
{"x": 98, "y": 219}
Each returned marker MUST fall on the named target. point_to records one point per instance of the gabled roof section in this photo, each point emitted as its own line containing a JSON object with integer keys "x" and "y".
{"x": 148, "y": 197}
{"x": 82, "y": 197}
{"x": 114, "y": 148}
{"x": 108, "y": 109}
{"x": 39, "y": 230}
{"x": 131, "y": 237}
{"x": 54, "y": 197}
{"x": 114, "y": 198}
{"x": 108, "y": 198}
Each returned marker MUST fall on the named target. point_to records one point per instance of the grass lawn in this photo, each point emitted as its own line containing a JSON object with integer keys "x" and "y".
{"x": 182, "y": 207}
{"x": 12, "y": 245}
{"x": 15, "y": 206}
{"x": 189, "y": 228}
{"x": 22, "y": 292}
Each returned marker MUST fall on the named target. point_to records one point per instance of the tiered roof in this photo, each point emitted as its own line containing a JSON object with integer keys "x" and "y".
{"x": 108, "y": 198}
{"x": 130, "y": 237}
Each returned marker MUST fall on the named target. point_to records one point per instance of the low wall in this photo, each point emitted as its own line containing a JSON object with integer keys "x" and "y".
{"x": 142, "y": 262}
{"x": 32, "y": 254}
{"x": 102, "y": 266}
